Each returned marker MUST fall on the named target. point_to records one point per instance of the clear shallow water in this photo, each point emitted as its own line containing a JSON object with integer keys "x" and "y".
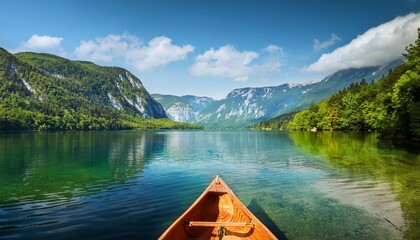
{"x": 134, "y": 184}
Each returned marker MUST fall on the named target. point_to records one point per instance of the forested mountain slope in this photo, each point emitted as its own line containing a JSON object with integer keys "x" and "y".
{"x": 245, "y": 106}
{"x": 43, "y": 91}
{"x": 390, "y": 105}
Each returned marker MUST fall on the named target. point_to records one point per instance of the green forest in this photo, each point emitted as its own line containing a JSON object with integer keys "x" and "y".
{"x": 390, "y": 106}
{"x": 277, "y": 123}
{"x": 69, "y": 95}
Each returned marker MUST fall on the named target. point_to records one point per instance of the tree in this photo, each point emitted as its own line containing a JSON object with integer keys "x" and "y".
{"x": 413, "y": 50}
{"x": 406, "y": 103}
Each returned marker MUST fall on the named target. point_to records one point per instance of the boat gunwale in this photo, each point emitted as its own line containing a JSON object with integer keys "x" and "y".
{"x": 218, "y": 181}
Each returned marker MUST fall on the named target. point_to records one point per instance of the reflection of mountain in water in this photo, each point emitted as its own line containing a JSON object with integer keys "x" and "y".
{"x": 223, "y": 145}
{"x": 36, "y": 166}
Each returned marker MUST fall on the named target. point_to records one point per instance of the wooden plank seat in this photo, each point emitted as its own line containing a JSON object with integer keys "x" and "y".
{"x": 219, "y": 224}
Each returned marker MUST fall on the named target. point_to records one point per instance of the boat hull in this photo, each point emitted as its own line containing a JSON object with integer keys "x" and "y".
{"x": 217, "y": 214}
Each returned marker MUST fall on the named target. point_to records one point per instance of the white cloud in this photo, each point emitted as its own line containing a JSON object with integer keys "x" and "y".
{"x": 318, "y": 46}
{"x": 157, "y": 52}
{"x": 43, "y": 44}
{"x": 228, "y": 62}
{"x": 274, "y": 49}
{"x": 378, "y": 45}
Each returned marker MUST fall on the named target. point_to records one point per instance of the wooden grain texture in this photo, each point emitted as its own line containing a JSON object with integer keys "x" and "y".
{"x": 219, "y": 224}
{"x": 217, "y": 210}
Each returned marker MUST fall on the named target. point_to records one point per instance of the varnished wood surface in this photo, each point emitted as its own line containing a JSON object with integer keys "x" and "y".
{"x": 217, "y": 207}
{"x": 219, "y": 224}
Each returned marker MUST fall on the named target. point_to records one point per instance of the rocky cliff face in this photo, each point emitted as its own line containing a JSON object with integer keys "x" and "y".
{"x": 60, "y": 81}
{"x": 184, "y": 108}
{"x": 245, "y": 106}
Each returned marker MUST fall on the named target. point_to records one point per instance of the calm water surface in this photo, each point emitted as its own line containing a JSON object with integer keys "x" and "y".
{"x": 134, "y": 184}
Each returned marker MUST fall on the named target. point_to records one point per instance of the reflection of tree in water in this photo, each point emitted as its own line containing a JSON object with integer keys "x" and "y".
{"x": 359, "y": 155}
{"x": 69, "y": 164}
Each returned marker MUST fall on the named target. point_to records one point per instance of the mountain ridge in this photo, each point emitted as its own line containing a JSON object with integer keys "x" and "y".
{"x": 57, "y": 86}
{"x": 114, "y": 81}
{"x": 184, "y": 108}
{"x": 41, "y": 91}
{"x": 243, "y": 107}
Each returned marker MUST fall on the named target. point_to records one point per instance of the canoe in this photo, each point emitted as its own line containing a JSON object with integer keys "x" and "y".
{"x": 217, "y": 214}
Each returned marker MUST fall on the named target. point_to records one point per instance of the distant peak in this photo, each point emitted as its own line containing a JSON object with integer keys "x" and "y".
{"x": 297, "y": 85}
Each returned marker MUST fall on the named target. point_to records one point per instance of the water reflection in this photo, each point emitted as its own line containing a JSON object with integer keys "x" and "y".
{"x": 248, "y": 147}
{"x": 67, "y": 185}
{"x": 69, "y": 164}
{"x": 381, "y": 180}
{"x": 134, "y": 184}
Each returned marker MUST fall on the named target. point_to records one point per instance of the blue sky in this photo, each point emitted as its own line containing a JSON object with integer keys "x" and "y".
{"x": 210, "y": 47}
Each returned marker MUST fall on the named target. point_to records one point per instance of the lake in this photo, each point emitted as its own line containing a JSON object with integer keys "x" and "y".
{"x": 134, "y": 184}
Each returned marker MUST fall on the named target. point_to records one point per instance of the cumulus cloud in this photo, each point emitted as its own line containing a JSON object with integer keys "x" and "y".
{"x": 157, "y": 52}
{"x": 377, "y": 46}
{"x": 43, "y": 44}
{"x": 318, "y": 46}
{"x": 228, "y": 62}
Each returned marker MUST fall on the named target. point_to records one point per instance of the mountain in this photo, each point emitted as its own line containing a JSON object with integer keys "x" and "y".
{"x": 245, "y": 106}
{"x": 107, "y": 86}
{"x": 389, "y": 106}
{"x": 340, "y": 80}
{"x": 184, "y": 108}
{"x": 43, "y": 91}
